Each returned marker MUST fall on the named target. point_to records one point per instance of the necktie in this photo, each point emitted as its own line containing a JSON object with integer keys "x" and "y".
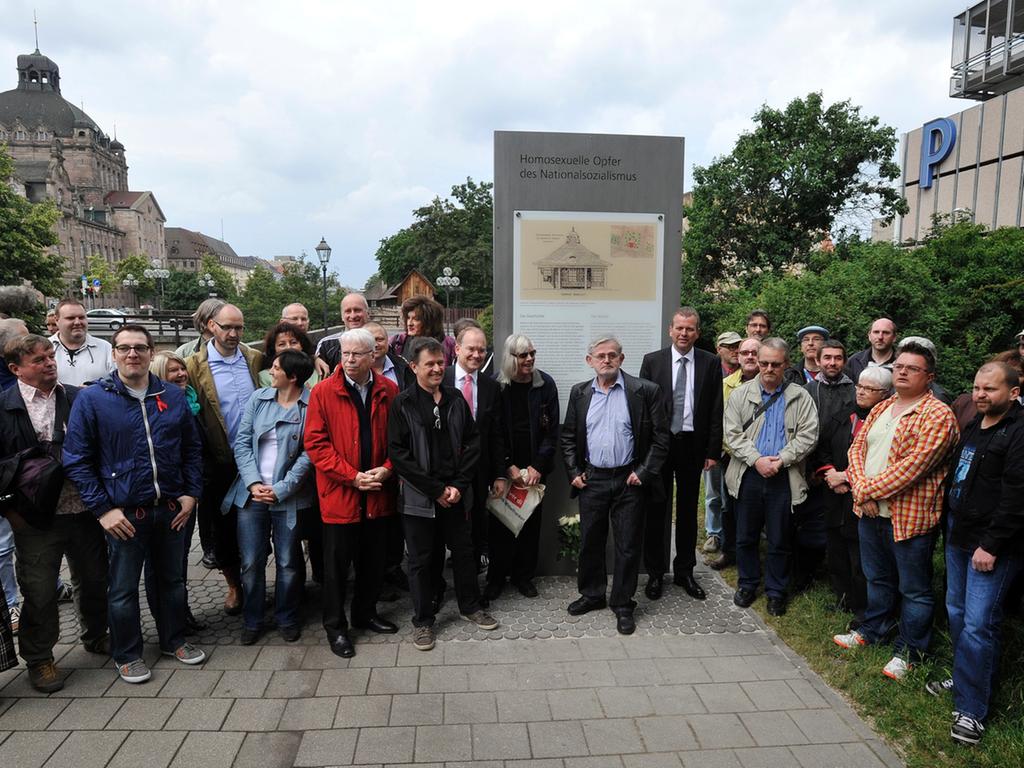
{"x": 679, "y": 398}
{"x": 467, "y": 392}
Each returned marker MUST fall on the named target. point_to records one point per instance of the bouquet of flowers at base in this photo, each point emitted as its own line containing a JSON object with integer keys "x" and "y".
{"x": 569, "y": 537}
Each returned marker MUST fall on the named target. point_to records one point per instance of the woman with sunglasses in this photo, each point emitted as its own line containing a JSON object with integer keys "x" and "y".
{"x": 529, "y": 402}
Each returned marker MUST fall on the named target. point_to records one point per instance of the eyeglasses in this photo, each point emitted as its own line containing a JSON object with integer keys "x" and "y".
{"x": 138, "y": 349}
{"x": 748, "y": 353}
{"x": 230, "y": 328}
{"x": 866, "y": 388}
{"x": 609, "y": 356}
{"x": 770, "y": 364}
{"x": 900, "y": 368}
{"x": 437, "y": 417}
{"x": 527, "y": 354}
{"x": 355, "y": 355}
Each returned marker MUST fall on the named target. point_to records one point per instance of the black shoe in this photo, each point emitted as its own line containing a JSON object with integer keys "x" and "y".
{"x": 526, "y": 588}
{"x": 493, "y": 590}
{"x": 378, "y": 625}
{"x": 625, "y": 623}
{"x": 776, "y": 606}
{"x": 192, "y": 624}
{"x": 209, "y": 560}
{"x": 744, "y": 597}
{"x": 437, "y": 601}
{"x": 290, "y": 633}
{"x": 722, "y": 562}
{"x": 249, "y": 636}
{"x": 586, "y": 605}
{"x": 690, "y": 586}
{"x": 342, "y": 646}
{"x": 655, "y": 585}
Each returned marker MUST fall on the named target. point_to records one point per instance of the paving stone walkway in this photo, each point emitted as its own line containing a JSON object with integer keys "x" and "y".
{"x": 699, "y": 684}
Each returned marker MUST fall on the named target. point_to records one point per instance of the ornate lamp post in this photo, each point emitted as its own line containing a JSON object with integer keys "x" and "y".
{"x": 131, "y": 282}
{"x": 323, "y": 252}
{"x": 206, "y": 281}
{"x": 159, "y": 274}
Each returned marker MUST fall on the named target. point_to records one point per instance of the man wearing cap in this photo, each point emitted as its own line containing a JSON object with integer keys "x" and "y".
{"x": 728, "y": 345}
{"x": 691, "y": 390}
{"x": 810, "y": 339}
{"x": 882, "y": 349}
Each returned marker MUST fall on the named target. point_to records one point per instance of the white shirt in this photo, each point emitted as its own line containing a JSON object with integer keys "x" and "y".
{"x": 460, "y": 376}
{"x": 690, "y": 376}
{"x": 90, "y": 362}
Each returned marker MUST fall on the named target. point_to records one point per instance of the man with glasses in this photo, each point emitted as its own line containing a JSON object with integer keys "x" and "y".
{"x": 81, "y": 357}
{"x": 770, "y": 429}
{"x": 225, "y": 373}
{"x": 615, "y": 439}
{"x": 134, "y": 451}
{"x": 897, "y": 468}
{"x": 434, "y": 448}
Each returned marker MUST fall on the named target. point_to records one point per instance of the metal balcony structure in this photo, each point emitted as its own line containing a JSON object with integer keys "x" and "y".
{"x": 988, "y": 50}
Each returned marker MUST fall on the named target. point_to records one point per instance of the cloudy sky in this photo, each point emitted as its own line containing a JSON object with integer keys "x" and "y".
{"x": 292, "y": 121}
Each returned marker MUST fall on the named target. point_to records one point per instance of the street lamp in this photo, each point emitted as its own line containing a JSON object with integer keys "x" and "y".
{"x": 207, "y": 281}
{"x": 323, "y": 252}
{"x": 159, "y": 274}
{"x": 131, "y": 283}
{"x": 449, "y": 282}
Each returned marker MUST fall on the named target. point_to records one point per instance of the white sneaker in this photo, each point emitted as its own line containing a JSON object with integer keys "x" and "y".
{"x": 15, "y": 612}
{"x": 187, "y": 653}
{"x": 966, "y": 729}
{"x": 134, "y": 671}
{"x": 897, "y": 668}
{"x": 713, "y": 544}
{"x": 939, "y": 687}
{"x": 850, "y": 640}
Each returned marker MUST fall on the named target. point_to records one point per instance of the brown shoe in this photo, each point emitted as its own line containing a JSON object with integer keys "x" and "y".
{"x": 233, "y": 598}
{"x": 45, "y": 677}
{"x": 721, "y": 562}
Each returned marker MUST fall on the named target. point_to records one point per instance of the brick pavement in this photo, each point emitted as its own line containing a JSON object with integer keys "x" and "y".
{"x": 700, "y": 684}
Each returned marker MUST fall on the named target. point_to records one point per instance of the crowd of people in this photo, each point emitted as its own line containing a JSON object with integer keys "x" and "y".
{"x": 380, "y": 455}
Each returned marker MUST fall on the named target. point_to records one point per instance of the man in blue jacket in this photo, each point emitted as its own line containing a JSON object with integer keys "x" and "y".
{"x": 134, "y": 452}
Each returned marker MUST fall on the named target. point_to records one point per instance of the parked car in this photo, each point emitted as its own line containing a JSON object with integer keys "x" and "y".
{"x": 105, "y": 318}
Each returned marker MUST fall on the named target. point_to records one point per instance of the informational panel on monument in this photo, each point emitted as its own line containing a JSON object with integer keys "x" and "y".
{"x": 579, "y": 276}
{"x": 587, "y": 244}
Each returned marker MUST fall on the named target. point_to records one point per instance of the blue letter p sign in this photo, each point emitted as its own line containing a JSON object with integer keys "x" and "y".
{"x": 937, "y": 140}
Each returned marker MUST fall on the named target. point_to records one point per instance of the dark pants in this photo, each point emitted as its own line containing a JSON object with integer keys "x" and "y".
{"x": 511, "y": 556}
{"x": 897, "y": 570}
{"x": 311, "y": 530}
{"x": 607, "y": 496}
{"x": 975, "y": 603}
{"x": 845, "y": 575}
{"x": 37, "y": 564}
{"x": 809, "y": 536}
{"x": 149, "y": 577}
{"x": 154, "y": 539}
{"x": 364, "y": 544}
{"x": 684, "y": 468}
{"x": 225, "y": 524}
{"x": 394, "y": 545}
{"x": 764, "y": 503}
{"x": 728, "y": 523}
{"x": 421, "y": 536}
{"x": 257, "y": 524}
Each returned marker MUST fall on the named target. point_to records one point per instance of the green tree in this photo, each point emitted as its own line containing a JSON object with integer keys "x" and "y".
{"x": 786, "y": 185}
{"x": 261, "y": 301}
{"x": 136, "y": 266}
{"x": 97, "y": 268}
{"x": 182, "y": 291}
{"x": 223, "y": 283}
{"x": 27, "y": 230}
{"x": 456, "y": 232}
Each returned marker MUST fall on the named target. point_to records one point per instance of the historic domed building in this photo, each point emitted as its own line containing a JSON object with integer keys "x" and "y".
{"x": 61, "y": 154}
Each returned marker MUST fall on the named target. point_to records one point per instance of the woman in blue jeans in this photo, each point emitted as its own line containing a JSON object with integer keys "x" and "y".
{"x": 274, "y": 483}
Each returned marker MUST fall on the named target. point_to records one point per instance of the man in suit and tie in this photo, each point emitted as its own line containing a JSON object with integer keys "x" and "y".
{"x": 614, "y": 441}
{"x": 481, "y": 393}
{"x": 691, "y": 384}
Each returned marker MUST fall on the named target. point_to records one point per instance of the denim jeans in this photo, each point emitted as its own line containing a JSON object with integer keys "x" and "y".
{"x": 974, "y": 601}
{"x": 764, "y": 502}
{"x": 154, "y": 539}
{"x": 256, "y": 524}
{"x": 714, "y": 494}
{"x": 8, "y": 582}
{"x": 903, "y": 568}
{"x": 149, "y": 576}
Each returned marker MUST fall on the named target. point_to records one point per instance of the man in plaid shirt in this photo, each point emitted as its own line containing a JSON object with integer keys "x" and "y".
{"x": 898, "y": 461}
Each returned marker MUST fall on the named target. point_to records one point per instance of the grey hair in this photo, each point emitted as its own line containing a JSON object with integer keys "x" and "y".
{"x": 878, "y": 375}
{"x": 515, "y": 344}
{"x": 605, "y": 340}
{"x": 11, "y": 327}
{"x": 921, "y": 340}
{"x": 774, "y": 342}
{"x": 359, "y": 336}
{"x": 205, "y": 312}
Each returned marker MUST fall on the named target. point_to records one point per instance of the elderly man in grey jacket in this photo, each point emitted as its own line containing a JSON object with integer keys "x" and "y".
{"x": 770, "y": 428}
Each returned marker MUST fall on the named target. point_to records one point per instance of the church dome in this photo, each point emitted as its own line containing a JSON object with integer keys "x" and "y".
{"x": 37, "y": 99}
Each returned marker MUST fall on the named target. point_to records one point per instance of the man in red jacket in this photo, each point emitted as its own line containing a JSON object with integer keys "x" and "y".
{"x": 346, "y": 439}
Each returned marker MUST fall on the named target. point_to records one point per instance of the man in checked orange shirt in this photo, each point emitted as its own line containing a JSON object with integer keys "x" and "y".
{"x": 898, "y": 461}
